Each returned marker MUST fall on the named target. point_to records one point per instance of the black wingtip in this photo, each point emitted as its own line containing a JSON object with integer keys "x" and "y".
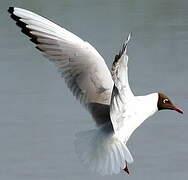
{"x": 14, "y": 17}
{"x": 118, "y": 56}
{"x": 22, "y": 25}
{"x": 11, "y": 10}
{"x": 39, "y": 49}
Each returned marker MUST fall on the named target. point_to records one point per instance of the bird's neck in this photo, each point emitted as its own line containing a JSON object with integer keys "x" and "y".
{"x": 144, "y": 107}
{"x": 148, "y": 104}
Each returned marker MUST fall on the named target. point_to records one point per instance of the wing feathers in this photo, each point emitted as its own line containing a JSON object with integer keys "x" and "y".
{"x": 83, "y": 68}
{"x": 121, "y": 91}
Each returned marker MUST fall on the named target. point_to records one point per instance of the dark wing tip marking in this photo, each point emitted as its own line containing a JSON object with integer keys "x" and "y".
{"x": 69, "y": 78}
{"x": 118, "y": 56}
{"x": 11, "y": 10}
{"x": 23, "y": 27}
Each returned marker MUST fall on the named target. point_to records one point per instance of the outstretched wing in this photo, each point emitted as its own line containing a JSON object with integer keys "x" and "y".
{"x": 121, "y": 91}
{"x": 83, "y": 68}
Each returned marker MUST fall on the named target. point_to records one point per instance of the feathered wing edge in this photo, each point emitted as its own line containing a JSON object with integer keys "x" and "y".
{"x": 121, "y": 91}
{"x": 123, "y": 50}
{"x": 119, "y": 70}
{"x": 82, "y": 67}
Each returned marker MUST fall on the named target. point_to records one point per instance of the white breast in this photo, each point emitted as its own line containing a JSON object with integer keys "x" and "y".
{"x": 138, "y": 110}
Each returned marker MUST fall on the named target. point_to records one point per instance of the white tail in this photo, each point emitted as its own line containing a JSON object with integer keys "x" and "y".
{"x": 102, "y": 152}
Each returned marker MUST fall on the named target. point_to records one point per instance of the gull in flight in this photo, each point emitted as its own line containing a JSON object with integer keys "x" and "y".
{"x": 106, "y": 95}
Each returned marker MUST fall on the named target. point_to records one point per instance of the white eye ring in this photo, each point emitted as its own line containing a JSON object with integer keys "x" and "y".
{"x": 165, "y": 100}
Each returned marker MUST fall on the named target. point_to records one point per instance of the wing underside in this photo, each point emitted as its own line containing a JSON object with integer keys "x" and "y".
{"x": 82, "y": 67}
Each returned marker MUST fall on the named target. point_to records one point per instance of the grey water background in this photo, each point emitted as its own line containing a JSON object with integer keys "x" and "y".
{"x": 39, "y": 116}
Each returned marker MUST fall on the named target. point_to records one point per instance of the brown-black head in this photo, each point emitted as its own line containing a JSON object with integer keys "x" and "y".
{"x": 165, "y": 103}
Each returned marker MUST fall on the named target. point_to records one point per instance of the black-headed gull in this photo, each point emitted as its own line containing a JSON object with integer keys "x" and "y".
{"x": 107, "y": 96}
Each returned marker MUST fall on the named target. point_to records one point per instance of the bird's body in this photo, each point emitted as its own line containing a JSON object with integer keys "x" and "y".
{"x": 106, "y": 95}
{"x": 139, "y": 109}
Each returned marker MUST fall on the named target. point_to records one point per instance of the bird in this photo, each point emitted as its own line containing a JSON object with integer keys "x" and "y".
{"x": 105, "y": 93}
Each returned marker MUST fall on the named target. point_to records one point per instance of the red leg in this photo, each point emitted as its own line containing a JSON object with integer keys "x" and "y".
{"x": 126, "y": 169}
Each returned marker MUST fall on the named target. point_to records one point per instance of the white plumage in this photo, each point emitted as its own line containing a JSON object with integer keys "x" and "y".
{"x": 107, "y": 97}
{"x": 100, "y": 150}
{"x": 83, "y": 67}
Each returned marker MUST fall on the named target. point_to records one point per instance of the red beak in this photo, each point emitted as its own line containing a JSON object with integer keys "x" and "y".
{"x": 176, "y": 109}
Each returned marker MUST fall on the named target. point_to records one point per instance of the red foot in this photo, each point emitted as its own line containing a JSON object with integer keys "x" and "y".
{"x": 126, "y": 169}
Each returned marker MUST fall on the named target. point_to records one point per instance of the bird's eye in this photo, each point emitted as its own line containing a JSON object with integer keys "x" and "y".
{"x": 165, "y": 100}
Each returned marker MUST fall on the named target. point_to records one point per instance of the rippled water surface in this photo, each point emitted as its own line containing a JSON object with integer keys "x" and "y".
{"x": 39, "y": 116}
